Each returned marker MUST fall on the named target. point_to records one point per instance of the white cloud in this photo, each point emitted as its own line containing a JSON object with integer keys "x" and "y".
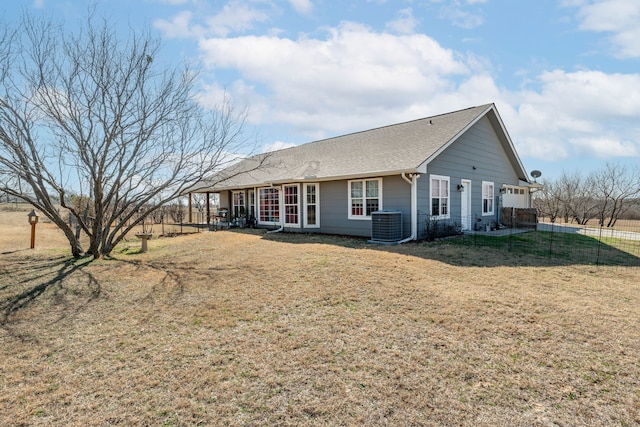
{"x": 578, "y": 114}
{"x": 405, "y": 23}
{"x": 619, "y": 18}
{"x": 606, "y": 147}
{"x": 352, "y": 74}
{"x": 459, "y": 14}
{"x": 351, "y": 78}
{"x": 302, "y": 6}
{"x": 179, "y": 26}
{"x": 235, "y": 17}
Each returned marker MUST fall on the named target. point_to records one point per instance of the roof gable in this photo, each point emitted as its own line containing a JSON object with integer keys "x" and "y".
{"x": 403, "y": 147}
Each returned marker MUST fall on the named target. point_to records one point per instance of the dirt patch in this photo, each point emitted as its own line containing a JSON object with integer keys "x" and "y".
{"x": 247, "y": 328}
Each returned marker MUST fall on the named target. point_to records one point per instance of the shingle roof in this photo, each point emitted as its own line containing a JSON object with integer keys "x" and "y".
{"x": 392, "y": 149}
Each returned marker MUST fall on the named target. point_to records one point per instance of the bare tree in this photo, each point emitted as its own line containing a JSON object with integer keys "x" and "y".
{"x": 96, "y": 117}
{"x": 616, "y": 186}
{"x": 548, "y": 200}
{"x": 579, "y": 202}
{"x": 605, "y": 194}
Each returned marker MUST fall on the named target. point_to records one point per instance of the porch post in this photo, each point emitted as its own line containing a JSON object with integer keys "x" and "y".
{"x": 190, "y": 210}
{"x": 208, "y": 208}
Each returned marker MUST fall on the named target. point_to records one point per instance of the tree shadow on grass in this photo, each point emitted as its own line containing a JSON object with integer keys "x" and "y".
{"x": 171, "y": 279}
{"x": 29, "y": 279}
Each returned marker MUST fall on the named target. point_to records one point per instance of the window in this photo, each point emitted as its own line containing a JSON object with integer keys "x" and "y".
{"x": 365, "y": 196}
{"x": 439, "y": 189}
{"x": 238, "y": 204}
{"x": 487, "y": 198}
{"x": 291, "y": 206}
{"x": 269, "y": 199}
{"x": 252, "y": 204}
{"x": 311, "y": 212}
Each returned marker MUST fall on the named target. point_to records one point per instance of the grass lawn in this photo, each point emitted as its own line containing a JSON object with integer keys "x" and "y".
{"x": 242, "y": 328}
{"x": 560, "y": 248}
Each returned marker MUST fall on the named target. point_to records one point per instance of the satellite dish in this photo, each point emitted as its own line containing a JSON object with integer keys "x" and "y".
{"x": 536, "y": 174}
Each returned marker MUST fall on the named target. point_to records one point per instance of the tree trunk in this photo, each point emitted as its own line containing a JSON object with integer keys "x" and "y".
{"x": 76, "y": 247}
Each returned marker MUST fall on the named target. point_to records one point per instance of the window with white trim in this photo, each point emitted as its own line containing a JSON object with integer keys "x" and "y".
{"x": 311, "y": 205}
{"x": 365, "y": 196}
{"x": 238, "y": 204}
{"x": 252, "y": 204}
{"x": 439, "y": 190}
{"x": 291, "y": 205}
{"x": 269, "y": 203}
{"x": 487, "y": 198}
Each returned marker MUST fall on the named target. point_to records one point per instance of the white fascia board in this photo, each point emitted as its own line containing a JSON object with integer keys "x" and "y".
{"x": 510, "y": 142}
{"x": 529, "y": 184}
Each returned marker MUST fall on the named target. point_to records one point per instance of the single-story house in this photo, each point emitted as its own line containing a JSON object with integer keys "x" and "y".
{"x": 458, "y": 168}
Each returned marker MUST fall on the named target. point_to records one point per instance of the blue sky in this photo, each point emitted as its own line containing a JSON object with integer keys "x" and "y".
{"x": 565, "y": 74}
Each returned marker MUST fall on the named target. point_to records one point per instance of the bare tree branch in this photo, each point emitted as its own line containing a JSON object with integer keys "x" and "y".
{"x": 93, "y": 116}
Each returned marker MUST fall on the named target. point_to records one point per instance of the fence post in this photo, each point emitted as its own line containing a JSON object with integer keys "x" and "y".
{"x": 598, "y": 248}
{"x": 551, "y": 240}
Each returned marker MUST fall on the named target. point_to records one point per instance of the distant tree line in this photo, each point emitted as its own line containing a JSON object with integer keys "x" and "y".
{"x": 605, "y": 195}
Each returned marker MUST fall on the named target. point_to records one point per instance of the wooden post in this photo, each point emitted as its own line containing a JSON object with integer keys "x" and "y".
{"x": 208, "y": 208}
{"x": 33, "y": 220}
{"x": 33, "y": 235}
{"x": 190, "y": 210}
{"x": 145, "y": 246}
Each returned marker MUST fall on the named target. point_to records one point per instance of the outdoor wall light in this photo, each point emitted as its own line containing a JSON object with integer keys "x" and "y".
{"x": 33, "y": 220}
{"x": 503, "y": 190}
{"x": 460, "y": 187}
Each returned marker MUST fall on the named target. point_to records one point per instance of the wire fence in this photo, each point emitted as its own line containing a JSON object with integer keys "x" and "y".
{"x": 514, "y": 232}
{"x": 559, "y": 243}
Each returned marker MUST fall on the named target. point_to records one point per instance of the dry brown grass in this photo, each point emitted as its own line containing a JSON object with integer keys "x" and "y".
{"x": 244, "y": 328}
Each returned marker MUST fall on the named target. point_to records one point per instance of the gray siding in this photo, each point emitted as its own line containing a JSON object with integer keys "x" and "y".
{"x": 397, "y": 197}
{"x": 478, "y": 156}
{"x": 334, "y": 207}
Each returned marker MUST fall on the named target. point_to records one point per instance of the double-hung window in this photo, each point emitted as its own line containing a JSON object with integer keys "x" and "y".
{"x": 439, "y": 190}
{"x": 311, "y": 210}
{"x": 487, "y": 198}
{"x": 365, "y": 196}
{"x": 269, "y": 204}
{"x": 238, "y": 204}
{"x": 252, "y": 204}
{"x": 291, "y": 205}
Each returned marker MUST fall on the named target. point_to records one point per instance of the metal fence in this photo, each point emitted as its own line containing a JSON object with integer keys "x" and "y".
{"x": 558, "y": 243}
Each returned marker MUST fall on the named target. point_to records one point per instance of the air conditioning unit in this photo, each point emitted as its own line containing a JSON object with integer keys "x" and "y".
{"x": 386, "y": 226}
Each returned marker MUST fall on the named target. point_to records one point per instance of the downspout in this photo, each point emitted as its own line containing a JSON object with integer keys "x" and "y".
{"x": 277, "y": 230}
{"x": 414, "y": 205}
